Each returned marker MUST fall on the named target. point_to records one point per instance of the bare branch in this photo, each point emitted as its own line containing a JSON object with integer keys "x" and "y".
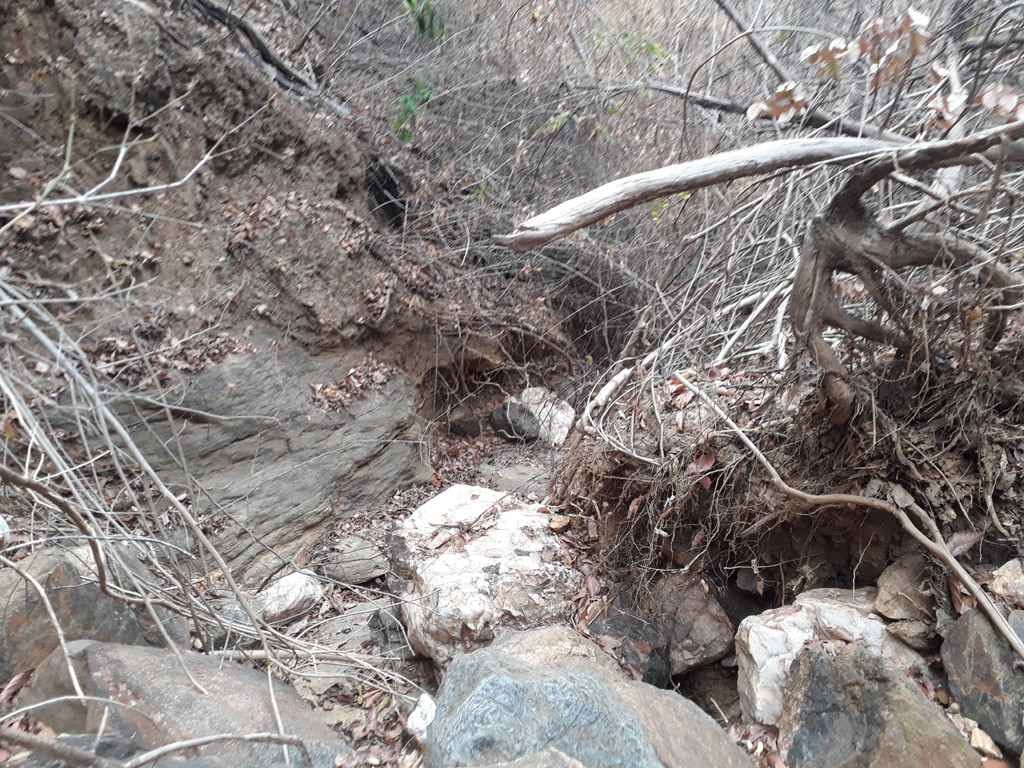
{"x": 55, "y": 749}
{"x": 716, "y": 169}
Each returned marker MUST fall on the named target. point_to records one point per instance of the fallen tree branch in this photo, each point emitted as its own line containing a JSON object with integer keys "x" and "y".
{"x": 759, "y": 159}
{"x": 55, "y": 749}
{"x": 639, "y": 188}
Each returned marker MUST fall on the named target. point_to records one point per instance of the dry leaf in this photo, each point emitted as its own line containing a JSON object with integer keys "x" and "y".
{"x": 962, "y": 541}
{"x": 900, "y": 497}
{"x": 701, "y": 464}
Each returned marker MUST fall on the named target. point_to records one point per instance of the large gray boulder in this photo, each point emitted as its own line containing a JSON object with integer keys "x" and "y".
{"x": 144, "y": 695}
{"x": 535, "y": 699}
{"x": 985, "y": 676}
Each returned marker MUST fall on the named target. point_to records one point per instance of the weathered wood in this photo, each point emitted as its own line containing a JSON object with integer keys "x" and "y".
{"x": 639, "y": 188}
{"x": 630, "y": 191}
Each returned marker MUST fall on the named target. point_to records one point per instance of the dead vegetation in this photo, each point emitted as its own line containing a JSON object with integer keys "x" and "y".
{"x": 732, "y": 445}
{"x": 899, "y": 394}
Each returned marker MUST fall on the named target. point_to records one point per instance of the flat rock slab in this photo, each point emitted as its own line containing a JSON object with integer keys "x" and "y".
{"x": 471, "y": 562}
{"x": 161, "y": 706}
{"x": 277, "y": 468}
{"x": 853, "y": 709}
{"x": 497, "y": 708}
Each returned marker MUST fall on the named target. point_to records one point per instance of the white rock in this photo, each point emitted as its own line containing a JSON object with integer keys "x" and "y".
{"x": 5, "y": 533}
{"x": 554, "y": 414}
{"x": 1008, "y": 582}
{"x": 422, "y": 715}
{"x": 289, "y": 597}
{"x": 767, "y": 644}
{"x": 475, "y": 561}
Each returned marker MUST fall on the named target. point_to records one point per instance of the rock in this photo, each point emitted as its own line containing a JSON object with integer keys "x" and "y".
{"x": 554, "y": 415}
{"x": 27, "y": 634}
{"x": 636, "y": 643}
{"x": 495, "y": 708}
{"x": 984, "y": 676}
{"x": 421, "y": 716}
{"x": 162, "y": 706}
{"x": 903, "y": 590}
{"x": 472, "y": 561}
{"x": 365, "y": 625}
{"x": 521, "y": 478}
{"x": 853, "y": 709}
{"x": 696, "y": 628}
{"x": 514, "y": 422}
{"x": 1008, "y": 582}
{"x": 559, "y": 647}
{"x": 559, "y": 523}
{"x": 128, "y": 563}
{"x": 279, "y": 467}
{"x": 919, "y": 635}
{"x": 354, "y": 560}
{"x": 289, "y": 597}
{"x": 462, "y": 421}
{"x": 767, "y": 644}
{"x": 547, "y": 758}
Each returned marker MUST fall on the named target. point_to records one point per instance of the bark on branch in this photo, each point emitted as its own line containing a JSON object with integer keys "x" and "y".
{"x": 757, "y": 160}
{"x": 639, "y": 188}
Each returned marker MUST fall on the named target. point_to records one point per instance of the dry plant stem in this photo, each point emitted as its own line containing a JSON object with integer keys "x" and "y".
{"x": 815, "y": 115}
{"x": 932, "y": 540}
{"x": 169, "y": 749}
{"x": 63, "y": 752}
{"x": 277, "y": 714}
{"x": 619, "y": 379}
{"x": 53, "y": 619}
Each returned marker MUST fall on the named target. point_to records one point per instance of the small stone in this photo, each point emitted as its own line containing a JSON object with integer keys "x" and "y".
{"x": 354, "y": 560}
{"x": 982, "y": 742}
{"x": 422, "y": 715}
{"x": 919, "y": 635}
{"x": 559, "y": 523}
{"x": 463, "y": 422}
{"x": 903, "y": 591}
{"x": 1008, "y": 582}
{"x": 289, "y": 597}
{"x": 555, "y": 416}
{"x": 514, "y": 422}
